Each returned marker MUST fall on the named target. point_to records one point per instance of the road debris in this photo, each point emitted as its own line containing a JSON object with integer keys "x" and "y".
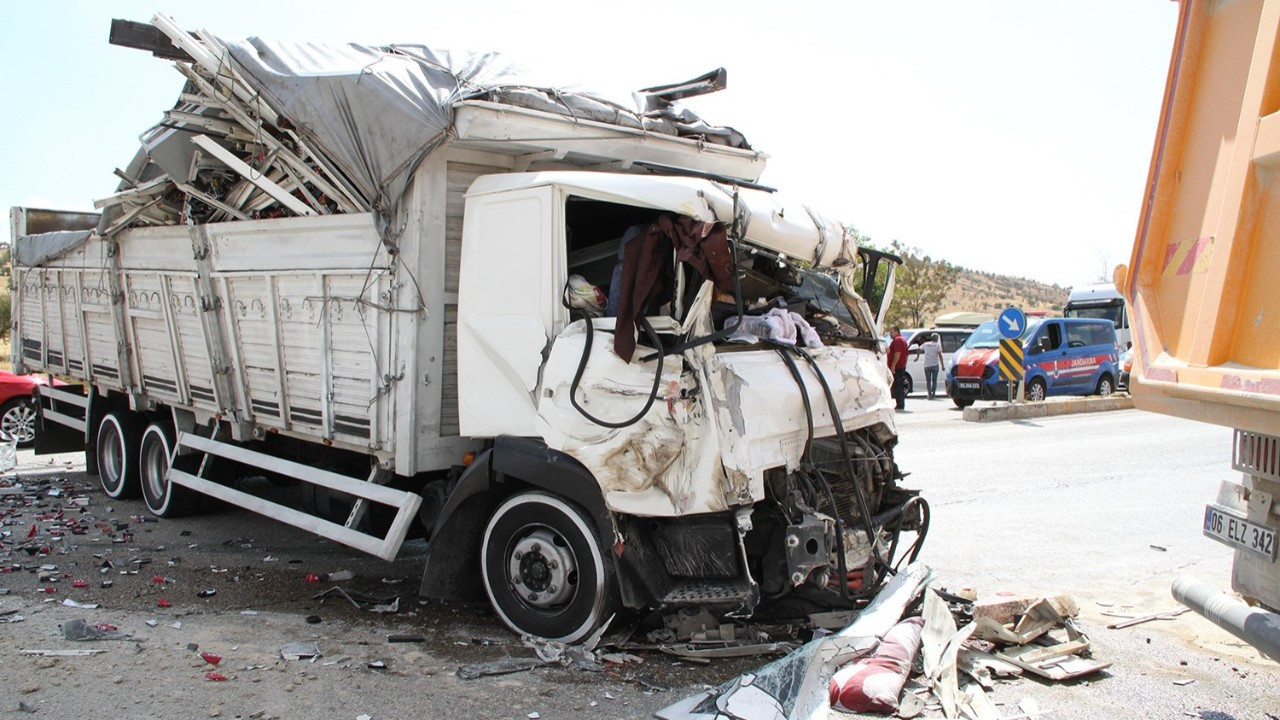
{"x": 873, "y": 684}
{"x": 81, "y": 630}
{"x": 866, "y": 666}
{"x": 505, "y": 666}
{"x": 1170, "y": 615}
{"x": 300, "y": 651}
{"x": 797, "y": 685}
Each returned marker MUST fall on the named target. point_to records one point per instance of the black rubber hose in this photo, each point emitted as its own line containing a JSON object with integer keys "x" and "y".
{"x": 582, "y": 367}
{"x": 841, "y": 561}
{"x": 861, "y": 497}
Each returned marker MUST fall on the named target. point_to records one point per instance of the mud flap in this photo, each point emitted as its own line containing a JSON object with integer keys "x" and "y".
{"x": 60, "y": 425}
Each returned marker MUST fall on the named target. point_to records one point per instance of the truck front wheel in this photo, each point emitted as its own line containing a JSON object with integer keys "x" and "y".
{"x": 544, "y": 571}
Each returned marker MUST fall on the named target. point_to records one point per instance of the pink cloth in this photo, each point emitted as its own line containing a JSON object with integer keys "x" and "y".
{"x": 873, "y": 684}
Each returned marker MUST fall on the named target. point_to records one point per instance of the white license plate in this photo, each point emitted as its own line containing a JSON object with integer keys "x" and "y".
{"x": 1231, "y": 529}
{"x": 967, "y": 384}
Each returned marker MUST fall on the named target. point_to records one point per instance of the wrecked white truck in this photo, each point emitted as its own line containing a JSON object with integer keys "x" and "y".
{"x": 574, "y": 345}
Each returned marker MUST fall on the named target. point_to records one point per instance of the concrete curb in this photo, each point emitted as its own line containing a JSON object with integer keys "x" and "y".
{"x": 1056, "y": 406}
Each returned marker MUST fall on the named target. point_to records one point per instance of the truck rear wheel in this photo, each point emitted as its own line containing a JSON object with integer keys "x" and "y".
{"x": 163, "y": 498}
{"x": 117, "y": 454}
{"x": 544, "y": 571}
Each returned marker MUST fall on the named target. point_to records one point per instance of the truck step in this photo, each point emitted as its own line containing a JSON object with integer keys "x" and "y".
{"x": 709, "y": 593}
{"x": 405, "y": 503}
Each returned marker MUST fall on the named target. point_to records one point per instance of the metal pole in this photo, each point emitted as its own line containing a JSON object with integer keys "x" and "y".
{"x": 1256, "y": 626}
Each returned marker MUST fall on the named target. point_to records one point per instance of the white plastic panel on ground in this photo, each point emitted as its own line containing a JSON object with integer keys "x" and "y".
{"x": 405, "y": 503}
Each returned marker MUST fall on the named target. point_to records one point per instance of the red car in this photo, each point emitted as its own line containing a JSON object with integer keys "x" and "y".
{"x": 17, "y": 409}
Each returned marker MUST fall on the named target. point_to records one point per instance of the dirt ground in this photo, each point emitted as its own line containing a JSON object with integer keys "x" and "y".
{"x": 236, "y": 586}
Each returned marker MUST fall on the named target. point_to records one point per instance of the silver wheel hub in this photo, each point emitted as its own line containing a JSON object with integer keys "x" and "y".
{"x": 19, "y": 424}
{"x": 541, "y": 568}
{"x": 155, "y": 463}
{"x": 112, "y": 460}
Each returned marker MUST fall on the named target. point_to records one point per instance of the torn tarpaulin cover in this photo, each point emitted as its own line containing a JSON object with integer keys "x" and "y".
{"x": 796, "y": 686}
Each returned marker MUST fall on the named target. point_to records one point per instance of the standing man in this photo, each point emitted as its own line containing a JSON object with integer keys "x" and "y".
{"x": 898, "y": 365}
{"x": 932, "y": 351}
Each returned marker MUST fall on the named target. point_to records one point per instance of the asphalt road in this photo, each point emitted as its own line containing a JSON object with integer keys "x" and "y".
{"x": 1069, "y": 505}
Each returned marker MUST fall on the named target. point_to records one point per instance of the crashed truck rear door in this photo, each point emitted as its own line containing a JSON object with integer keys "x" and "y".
{"x": 681, "y": 493}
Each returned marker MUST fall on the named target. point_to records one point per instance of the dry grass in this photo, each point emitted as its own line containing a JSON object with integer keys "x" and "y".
{"x": 988, "y": 293}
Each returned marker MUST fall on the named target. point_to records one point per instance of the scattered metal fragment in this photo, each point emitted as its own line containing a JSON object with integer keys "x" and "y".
{"x": 300, "y": 651}
{"x": 1147, "y": 618}
{"x": 505, "y": 666}
{"x": 80, "y": 629}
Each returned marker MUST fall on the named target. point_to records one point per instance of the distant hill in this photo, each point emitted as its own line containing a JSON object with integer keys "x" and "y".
{"x": 984, "y": 292}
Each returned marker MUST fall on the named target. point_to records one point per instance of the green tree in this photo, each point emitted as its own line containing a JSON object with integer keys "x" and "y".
{"x": 920, "y": 287}
{"x": 5, "y": 304}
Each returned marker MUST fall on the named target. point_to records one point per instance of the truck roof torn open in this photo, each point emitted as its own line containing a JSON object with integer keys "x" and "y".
{"x": 345, "y": 126}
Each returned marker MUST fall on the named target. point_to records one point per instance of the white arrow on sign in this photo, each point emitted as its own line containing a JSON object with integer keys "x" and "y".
{"x": 1012, "y": 322}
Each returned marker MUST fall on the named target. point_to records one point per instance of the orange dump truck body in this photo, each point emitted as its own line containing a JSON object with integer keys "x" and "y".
{"x": 1204, "y": 277}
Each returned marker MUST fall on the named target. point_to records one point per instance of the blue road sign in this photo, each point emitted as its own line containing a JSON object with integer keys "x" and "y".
{"x": 1011, "y": 322}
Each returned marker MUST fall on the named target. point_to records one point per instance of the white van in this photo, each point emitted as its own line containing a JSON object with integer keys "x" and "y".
{"x": 952, "y": 338}
{"x": 1100, "y": 302}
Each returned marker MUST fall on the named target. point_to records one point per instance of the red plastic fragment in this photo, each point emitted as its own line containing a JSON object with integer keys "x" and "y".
{"x": 211, "y": 658}
{"x": 216, "y": 677}
{"x": 163, "y": 603}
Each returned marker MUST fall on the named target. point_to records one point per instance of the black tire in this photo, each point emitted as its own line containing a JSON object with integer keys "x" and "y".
{"x": 1105, "y": 386}
{"x": 908, "y": 385}
{"x": 534, "y": 541}
{"x": 961, "y": 403}
{"x": 18, "y": 421}
{"x": 1036, "y": 391}
{"x": 163, "y": 498}
{"x": 117, "y": 454}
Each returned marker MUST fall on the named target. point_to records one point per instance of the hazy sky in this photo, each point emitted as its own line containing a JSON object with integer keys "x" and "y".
{"x": 1010, "y": 136}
